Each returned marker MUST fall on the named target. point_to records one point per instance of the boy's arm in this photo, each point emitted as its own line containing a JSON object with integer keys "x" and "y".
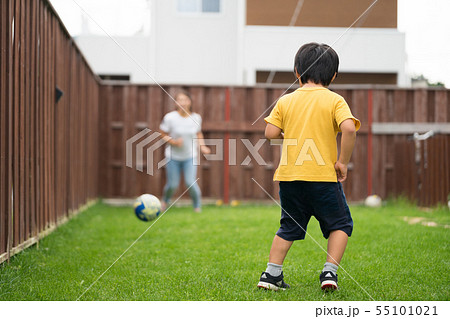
{"x": 347, "y": 143}
{"x": 273, "y": 132}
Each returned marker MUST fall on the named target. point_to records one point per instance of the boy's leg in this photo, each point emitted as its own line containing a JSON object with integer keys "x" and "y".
{"x": 331, "y": 198}
{"x": 295, "y": 214}
{"x": 279, "y": 250}
{"x": 294, "y": 219}
{"x": 337, "y": 242}
{"x": 272, "y": 278}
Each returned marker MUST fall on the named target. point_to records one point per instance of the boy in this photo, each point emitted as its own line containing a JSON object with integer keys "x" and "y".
{"x": 310, "y": 174}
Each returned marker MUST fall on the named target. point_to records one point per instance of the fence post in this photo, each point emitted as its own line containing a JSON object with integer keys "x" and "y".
{"x": 226, "y": 151}
{"x": 369, "y": 141}
{"x": 10, "y": 135}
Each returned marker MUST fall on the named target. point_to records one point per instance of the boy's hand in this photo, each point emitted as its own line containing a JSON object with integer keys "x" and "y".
{"x": 341, "y": 171}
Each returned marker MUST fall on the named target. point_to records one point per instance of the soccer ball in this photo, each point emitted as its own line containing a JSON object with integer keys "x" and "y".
{"x": 373, "y": 201}
{"x": 147, "y": 207}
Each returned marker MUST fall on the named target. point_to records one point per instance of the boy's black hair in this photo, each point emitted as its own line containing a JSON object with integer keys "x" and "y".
{"x": 317, "y": 63}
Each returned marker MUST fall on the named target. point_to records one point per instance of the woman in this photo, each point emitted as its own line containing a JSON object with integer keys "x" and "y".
{"x": 181, "y": 129}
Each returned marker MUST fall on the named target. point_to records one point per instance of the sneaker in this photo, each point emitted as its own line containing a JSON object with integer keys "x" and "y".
{"x": 328, "y": 281}
{"x": 268, "y": 282}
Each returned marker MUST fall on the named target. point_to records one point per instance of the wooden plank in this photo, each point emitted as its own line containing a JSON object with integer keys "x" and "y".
{"x": 67, "y": 127}
{"x": 130, "y": 111}
{"x": 71, "y": 152}
{"x": 400, "y": 105}
{"x": 359, "y": 159}
{"x": 58, "y": 187}
{"x": 198, "y": 106}
{"x": 150, "y": 103}
{"x": 441, "y": 105}
{"x": 95, "y": 146}
{"x": 122, "y": 141}
{"x": 238, "y": 104}
{"x": 396, "y": 128}
{"x": 448, "y": 105}
{"x": 15, "y": 163}
{"x": 106, "y": 138}
{"x": 75, "y": 131}
{"x": 3, "y": 122}
{"x": 21, "y": 117}
{"x": 431, "y": 109}
{"x": 51, "y": 119}
{"x": 141, "y": 98}
{"x": 436, "y": 158}
{"x": 420, "y": 106}
{"x": 41, "y": 109}
{"x": 27, "y": 136}
{"x": 215, "y": 103}
{"x": 5, "y": 126}
{"x": 33, "y": 77}
{"x": 442, "y": 171}
{"x": 81, "y": 186}
{"x": 446, "y": 165}
{"x": 379, "y": 152}
{"x": 47, "y": 119}
{"x": 258, "y": 171}
{"x": 105, "y": 92}
{"x": 38, "y": 122}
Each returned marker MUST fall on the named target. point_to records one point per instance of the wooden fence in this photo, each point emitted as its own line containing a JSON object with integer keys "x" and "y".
{"x": 49, "y": 149}
{"x": 383, "y": 163}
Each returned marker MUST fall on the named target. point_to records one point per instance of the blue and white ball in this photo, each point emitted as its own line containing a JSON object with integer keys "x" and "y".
{"x": 147, "y": 207}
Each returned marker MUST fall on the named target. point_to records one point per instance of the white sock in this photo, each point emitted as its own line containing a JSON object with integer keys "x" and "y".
{"x": 274, "y": 270}
{"x": 330, "y": 267}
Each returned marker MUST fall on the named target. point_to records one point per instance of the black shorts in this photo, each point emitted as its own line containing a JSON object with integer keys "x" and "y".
{"x": 324, "y": 200}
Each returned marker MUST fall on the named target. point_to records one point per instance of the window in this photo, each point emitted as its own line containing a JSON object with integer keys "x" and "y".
{"x": 210, "y": 5}
{"x": 199, "y": 6}
{"x": 115, "y": 77}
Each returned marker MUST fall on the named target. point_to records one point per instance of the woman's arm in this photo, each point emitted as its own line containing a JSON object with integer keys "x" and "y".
{"x": 201, "y": 142}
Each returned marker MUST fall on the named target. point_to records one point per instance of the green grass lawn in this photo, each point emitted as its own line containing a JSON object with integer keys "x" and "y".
{"x": 220, "y": 254}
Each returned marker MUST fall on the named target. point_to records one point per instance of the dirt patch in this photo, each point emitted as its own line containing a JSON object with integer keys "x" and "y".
{"x": 413, "y": 220}
{"x": 423, "y": 221}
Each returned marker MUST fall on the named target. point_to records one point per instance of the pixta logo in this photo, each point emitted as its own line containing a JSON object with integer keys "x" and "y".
{"x": 139, "y": 160}
{"x": 306, "y": 153}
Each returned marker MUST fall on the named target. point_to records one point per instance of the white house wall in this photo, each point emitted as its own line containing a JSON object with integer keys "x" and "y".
{"x": 360, "y": 50}
{"x": 106, "y": 57}
{"x": 219, "y": 49}
{"x": 195, "y": 48}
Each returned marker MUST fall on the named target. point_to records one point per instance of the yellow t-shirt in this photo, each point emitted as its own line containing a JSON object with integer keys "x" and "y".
{"x": 310, "y": 119}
